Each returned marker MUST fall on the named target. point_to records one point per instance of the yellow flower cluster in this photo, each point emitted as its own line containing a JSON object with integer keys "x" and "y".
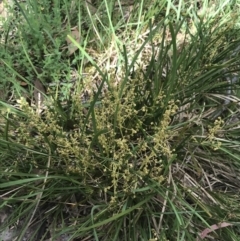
{"x": 213, "y": 131}
{"x": 120, "y": 144}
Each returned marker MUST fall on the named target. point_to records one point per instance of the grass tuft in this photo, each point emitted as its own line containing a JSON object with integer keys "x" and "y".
{"x": 120, "y": 121}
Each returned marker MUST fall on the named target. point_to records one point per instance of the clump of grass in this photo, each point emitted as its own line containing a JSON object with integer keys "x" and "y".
{"x": 151, "y": 154}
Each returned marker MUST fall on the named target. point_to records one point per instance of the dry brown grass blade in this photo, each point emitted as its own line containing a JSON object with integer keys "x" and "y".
{"x": 214, "y": 227}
